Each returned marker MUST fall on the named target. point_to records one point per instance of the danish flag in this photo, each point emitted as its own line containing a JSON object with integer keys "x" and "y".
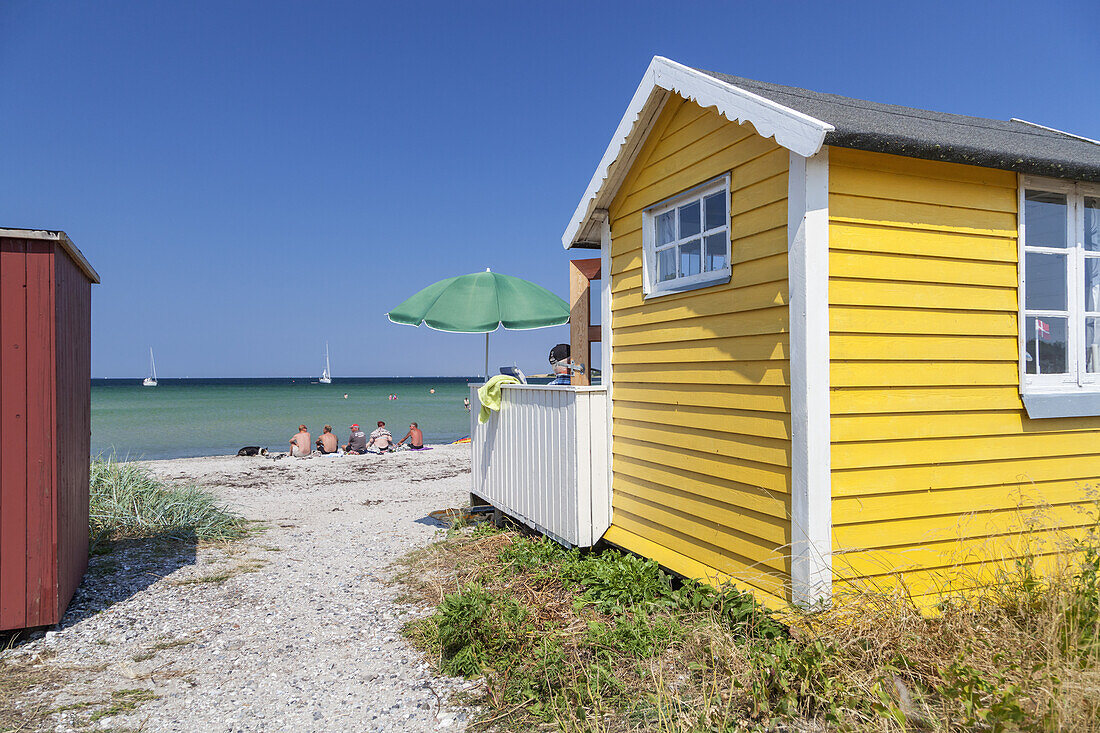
{"x": 1042, "y": 329}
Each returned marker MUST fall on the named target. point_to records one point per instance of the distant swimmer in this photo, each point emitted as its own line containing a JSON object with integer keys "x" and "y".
{"x": 466, "y": 403}
{"x": 431, "y": 391}
{"x": 345, "y": 395}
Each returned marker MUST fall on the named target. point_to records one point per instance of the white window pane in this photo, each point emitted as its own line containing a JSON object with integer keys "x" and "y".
{"x": 1045, "y": 219}
{"x": 1045, "y": 345}
{"x": 689, "y": 220}
{"x": 666, "y": 228}
{"x": 1092, "y": 283}
{"x": 716, "y": 251}
{"x": 1045, "y": 281}
{"x": 666, "y": 264}
{"x": 1092, "y": 345}
{"x": 1092, "y": 224}
{"x": 690, "y": 258}
{"x": 715, "y": 211}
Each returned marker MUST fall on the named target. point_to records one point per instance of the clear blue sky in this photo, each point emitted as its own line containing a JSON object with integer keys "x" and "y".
{"x": 252, "y": 179}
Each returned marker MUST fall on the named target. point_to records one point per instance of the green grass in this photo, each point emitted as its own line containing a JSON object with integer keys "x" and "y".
{"x": 601, "y": 641}
{"x": 127, "y": 501}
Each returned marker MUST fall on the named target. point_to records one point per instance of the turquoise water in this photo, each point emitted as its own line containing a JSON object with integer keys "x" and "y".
{"x": 204, "y": 417}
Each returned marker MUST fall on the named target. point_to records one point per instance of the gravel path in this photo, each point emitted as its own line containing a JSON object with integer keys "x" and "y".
{"x": 293, "y": 629}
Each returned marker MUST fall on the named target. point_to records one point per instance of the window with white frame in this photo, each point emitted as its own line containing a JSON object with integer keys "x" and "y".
{"x": 686, "y": 240}
{"x": 1060, "y": 279}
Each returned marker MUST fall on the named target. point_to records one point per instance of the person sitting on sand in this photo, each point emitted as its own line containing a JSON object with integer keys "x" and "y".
{"x": 417, "y": 437}
{"x": 300, "y": 444}
{"x": 327, "y": 443}
{"x": 381, "y": 438}
{"x": 357, "y": 441}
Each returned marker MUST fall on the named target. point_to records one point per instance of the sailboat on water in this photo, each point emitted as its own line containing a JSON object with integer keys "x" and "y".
{"x": 326, "y": 373}
{"x": 151, "y": 380}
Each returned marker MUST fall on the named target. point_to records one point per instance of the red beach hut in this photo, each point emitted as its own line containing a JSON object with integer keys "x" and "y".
{"x": 45, "y": 425}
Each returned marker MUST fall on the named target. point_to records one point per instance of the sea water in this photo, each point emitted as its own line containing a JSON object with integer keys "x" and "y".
{"x": 205, "y": 417}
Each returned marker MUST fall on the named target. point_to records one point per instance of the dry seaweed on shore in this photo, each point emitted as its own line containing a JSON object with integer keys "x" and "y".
{"x": 608, "y": 642}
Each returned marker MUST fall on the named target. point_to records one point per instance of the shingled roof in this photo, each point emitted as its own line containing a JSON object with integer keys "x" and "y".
{"x": 803, "y": 121}
{"x": 888, "y": 128}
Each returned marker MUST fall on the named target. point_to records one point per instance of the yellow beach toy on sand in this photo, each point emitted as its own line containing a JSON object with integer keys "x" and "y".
{"x": 489, "y": 395}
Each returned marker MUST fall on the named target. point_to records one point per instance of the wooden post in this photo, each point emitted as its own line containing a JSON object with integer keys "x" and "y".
{"x": 581, "y": 331}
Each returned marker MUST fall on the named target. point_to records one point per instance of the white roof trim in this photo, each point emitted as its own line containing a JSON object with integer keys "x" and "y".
{"x": 793, "y": 130}
{"x": 56, "y": 236}
{"x": 1055, "y": 129}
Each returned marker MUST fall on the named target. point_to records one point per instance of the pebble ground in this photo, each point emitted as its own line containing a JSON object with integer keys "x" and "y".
{"x": 296, "y": 628}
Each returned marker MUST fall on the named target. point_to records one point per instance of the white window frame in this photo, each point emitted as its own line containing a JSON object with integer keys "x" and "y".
{"x": 1076, "y": 380}
{"x": 650, "y": 287}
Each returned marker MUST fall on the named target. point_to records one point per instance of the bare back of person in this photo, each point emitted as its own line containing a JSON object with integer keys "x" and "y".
{"x": 301, "y": 444}
{"x": 329, "y": 442}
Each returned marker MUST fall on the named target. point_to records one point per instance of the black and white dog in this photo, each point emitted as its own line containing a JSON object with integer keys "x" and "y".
{"x": 252, "y": 450}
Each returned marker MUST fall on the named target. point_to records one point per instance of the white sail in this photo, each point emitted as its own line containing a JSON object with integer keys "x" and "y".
{"x": 151, "y": 380}
{"x": 326, "y": 374}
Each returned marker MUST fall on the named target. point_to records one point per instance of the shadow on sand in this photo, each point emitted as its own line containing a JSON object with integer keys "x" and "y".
{"x": 118, "y": 569}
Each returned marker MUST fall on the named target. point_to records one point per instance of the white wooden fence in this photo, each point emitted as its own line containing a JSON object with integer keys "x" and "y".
{"x": 543, "y": 459}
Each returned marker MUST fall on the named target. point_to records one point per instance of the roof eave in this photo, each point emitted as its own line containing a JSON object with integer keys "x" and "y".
{"x": 965, "y": 155}
{"x": 791, "y": 129}
{"x": 61, "y": 238}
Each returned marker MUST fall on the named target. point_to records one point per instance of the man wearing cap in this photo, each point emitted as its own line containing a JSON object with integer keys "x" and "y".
{"x": 559, "y": 362}
{"x": 300, "y": 444}
{"x": 357, "y": 441}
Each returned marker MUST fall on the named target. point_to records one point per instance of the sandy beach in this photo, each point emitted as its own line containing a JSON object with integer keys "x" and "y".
{"x": 295, "y": 628}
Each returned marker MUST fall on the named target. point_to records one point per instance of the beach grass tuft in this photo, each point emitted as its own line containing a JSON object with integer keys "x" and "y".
{"x": 128, "y": 501}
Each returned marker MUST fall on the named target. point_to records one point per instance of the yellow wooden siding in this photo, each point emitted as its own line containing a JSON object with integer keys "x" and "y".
{"x": 937, "y": 471}
{"x": 701, "y": 413}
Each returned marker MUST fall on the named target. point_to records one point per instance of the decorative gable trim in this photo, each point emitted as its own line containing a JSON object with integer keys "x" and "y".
{"x": 791, "y": 129}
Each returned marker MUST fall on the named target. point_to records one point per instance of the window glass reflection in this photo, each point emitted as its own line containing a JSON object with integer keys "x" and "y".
{"x": 1092, "y": 284}
{"x": 1045, "y": 219}
{"x": 690, "y": 258}
{"x": 1045, "y": 346}
{"x": 1092, "y": 224}
{"x": 716, "y": 251}
{"x": 689, "y": 220}
{"x": 1092, "y": 345}
{"x": 666, "y": 228}
{"x": 1046, "y": 281}
{"x": 715, "y": 207}
{"x": 666, "y": 264}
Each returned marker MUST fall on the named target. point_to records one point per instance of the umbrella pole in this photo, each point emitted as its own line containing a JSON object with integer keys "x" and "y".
{"x": 486, "y": 356}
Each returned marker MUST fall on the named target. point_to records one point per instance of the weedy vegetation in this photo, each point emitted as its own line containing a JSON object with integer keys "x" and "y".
{"x": 602, "y": 641}
{"x": 127, "y": 501}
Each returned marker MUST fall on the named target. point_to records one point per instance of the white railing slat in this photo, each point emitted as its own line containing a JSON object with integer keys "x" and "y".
{"x": 542, "y": 459}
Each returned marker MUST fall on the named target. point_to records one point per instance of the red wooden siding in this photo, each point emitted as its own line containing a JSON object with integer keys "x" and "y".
{"x": 45, "y": 320}
{"x": 41, "y": 489}
{"x": 13, "y": 433}
{"x": 74, "y": 425}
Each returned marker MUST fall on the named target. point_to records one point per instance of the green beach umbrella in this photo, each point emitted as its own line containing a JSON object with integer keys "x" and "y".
{"x": 482, "y": 302}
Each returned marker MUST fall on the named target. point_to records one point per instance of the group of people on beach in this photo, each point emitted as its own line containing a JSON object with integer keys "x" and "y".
{"x": 380, "y": 440}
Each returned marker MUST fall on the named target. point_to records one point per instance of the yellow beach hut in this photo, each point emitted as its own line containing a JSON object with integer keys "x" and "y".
{"x": 842, "y": 340}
